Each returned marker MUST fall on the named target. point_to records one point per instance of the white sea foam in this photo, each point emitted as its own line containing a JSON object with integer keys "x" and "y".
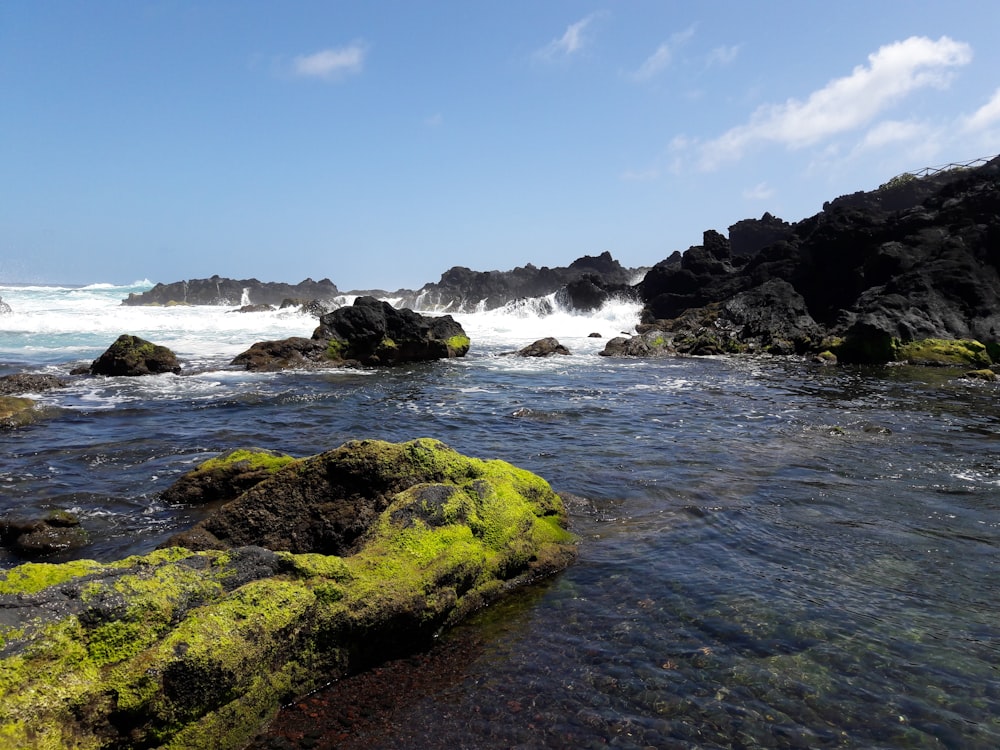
{"x": 49, "y": 325}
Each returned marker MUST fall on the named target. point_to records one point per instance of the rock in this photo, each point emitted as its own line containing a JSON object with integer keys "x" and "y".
{"x": 915, "y": 260}
{"x": 29, "y": 383}
{"x": 16, "y": 412}
{"x": 254, "y": 309}
{"x": 225, "y": 477}
{"x": 37, "y": 537}
{"x": 984, "y": 374}
{"x": 370, "y": 332}
{"x": 594, "y": 335}
{"x": 198, "y": 649}
{"x": 232, "y": 292}
{"x": 4, "y": 307}
{"x": 461, "y": 289}
{"x": 543, "y": 348}
{"x": 133, "y": 356}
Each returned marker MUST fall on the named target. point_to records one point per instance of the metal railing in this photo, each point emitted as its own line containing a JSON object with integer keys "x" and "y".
{"x": 931, "y": 171}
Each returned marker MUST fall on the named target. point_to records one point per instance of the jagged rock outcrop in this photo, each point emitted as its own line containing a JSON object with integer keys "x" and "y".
{"x": 370, "y": 332}
{"x": 196, "y": 650}
{"x": 233, "y": 292}
{"x": 917, "y": 259}
{"x": 461, "y": 289}
{"x": 132, "y": 356}
{"x": 4, "y": 307}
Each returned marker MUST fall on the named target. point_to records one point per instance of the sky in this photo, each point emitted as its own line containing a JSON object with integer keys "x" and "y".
{"x": 380, "y": 143}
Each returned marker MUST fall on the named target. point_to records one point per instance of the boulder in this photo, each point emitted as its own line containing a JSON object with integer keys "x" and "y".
{"x": 225, "y": 477}
{"x": 37, "y": 537}
{"x": 543, "y": 348}
{"x": 370, "y": 332}
{"x": 133, "y": 356}
{"x": 198, "y": 649}
{"x": 4, "y": 307}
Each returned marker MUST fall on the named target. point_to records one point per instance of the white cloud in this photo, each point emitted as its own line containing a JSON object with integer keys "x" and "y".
{"x": 571, "y": 42}
{"x": 664, "y": 55}
{"x": 758, "y": 192}
{"x": 844, "y": 104}
{"x": 985, "y": 116}
{"x": 893, "y": 132}
{"x": 723, "y": 55}
{"x": 332, "y": 63}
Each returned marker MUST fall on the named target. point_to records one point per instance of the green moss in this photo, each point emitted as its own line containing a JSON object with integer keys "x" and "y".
{"x": 944, "y": 352}
{"x": 249, "y": 459}
{"x": 459, "y": 344}
{"x": 31, "y": 578}
{"x": 336, "y": 349}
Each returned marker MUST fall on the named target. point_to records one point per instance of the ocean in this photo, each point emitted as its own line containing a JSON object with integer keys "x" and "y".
{"x": 772, "y": 553}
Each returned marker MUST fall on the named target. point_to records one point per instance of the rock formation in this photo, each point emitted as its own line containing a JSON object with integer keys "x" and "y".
{"x": 132, "y": 356}
{"x": 196, "y": 650}
{"x": 371, "y": 332}
{"x": 917, "y": 259}
{"x": 234, "y": 292}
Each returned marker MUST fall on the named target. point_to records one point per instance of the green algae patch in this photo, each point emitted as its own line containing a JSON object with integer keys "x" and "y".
{"x": 458, "y": 346}
{"x": 189, "y": 649}
{"x": 944, "y": 352}
{"x": 31, "y": 578}
{"x": 248, "y": 458}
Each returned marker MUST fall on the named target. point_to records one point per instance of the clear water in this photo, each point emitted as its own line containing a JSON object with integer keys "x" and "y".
{"x": 772, "y": 554}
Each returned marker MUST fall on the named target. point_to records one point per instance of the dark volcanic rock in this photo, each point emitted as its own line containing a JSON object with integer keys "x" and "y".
{"x": 225, "y": 477}
{"x": 543, "y": 348}
{"x": 232, "y": 292}
{"x": 29, "y": 383}
{"x": 370, "y": 332}
{"x": 461, "y": 289}
{"x": 131, "y": 356}
{"x": 916, "y": 259}
{"x": 37, "y": 537}
{"x": 4, "y": 307}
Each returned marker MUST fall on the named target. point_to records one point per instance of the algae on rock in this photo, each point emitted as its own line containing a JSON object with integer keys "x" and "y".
{"x": 195, "y": 649}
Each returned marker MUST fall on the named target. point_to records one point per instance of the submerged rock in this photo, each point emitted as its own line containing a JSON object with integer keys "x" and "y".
{"x": 16, "y": 411}
{"x": 197, "y": 649}
{"x": 132, "y": 356}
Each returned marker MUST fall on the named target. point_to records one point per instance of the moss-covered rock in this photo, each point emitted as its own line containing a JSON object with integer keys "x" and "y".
{"x": 226, "y": 477}
{"x": 944, "y": 352}
{"x": 16, "y": 411}
{"x": 186, "y": 649}
{"x": 131, "y": 356}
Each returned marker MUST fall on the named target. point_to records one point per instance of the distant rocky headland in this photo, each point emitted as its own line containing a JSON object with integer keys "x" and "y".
{"x": 916, "y": 260}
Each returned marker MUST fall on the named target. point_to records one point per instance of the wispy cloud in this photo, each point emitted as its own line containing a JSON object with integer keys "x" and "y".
{"x": 758, "y": 192}
{"x": 847, "y": 103}
{"x": 571, "y": 42}
{"x": 984, "y": 117}
{"x": 332, "y": 63}
{"x": 661, "y": 59}
{"x": 723, "y": 55}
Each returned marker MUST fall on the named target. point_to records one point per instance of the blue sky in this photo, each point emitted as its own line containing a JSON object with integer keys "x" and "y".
{"x": 380, "y": 143}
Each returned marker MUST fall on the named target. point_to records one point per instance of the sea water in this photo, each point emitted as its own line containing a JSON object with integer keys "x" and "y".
{"x": 772, "y": 553}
